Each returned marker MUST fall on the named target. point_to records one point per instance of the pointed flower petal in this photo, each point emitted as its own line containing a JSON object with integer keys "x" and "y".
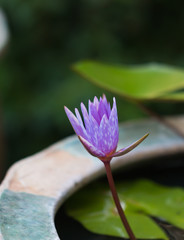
{"x": 86, "y": 118}
{"x": 90, "y": 148}
{"x": 79, "y": 117}
{"x": 75, "y": 123}
{"x": 102, "y": 109}
{"x": 107, "y": 105}
{"x": 93, "y": 112}
{"x": 113, "y": 124}
{"x": 96, "y": 102}
{"x": 94, "y": 132}
{"x": 105, "y": 137}
{"x": 129, "y": 148}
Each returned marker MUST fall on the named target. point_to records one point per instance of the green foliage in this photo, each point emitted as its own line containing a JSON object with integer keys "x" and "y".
{"x": 140, "y": 199}
{"x": 144, "y": 82}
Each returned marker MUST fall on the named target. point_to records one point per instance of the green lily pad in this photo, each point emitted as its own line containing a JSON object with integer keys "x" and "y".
{"x": 155, "y": 200}
{"x": 141, "y": 82}
{"x": 94, "y": 208}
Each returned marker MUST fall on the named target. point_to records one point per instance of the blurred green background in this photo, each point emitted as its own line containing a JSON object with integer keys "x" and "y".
{"x": 46, "y": 37}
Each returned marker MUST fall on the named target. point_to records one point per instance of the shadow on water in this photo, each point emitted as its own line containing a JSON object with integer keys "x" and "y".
{"x": 167, "y": 171}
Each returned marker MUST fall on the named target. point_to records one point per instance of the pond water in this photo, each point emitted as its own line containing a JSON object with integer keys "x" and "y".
{"x": 167, "y": 171}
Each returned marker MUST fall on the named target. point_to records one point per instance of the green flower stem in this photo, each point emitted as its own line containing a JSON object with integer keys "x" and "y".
{"x": 116, "y": 200}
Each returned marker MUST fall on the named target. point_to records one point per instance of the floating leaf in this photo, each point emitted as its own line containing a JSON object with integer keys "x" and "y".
{"x": 94, "y": 208}
{"x": 155, "y": 200}
{"x": 142, "y": 82}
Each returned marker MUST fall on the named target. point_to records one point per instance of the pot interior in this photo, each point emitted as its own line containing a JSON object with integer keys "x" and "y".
{"x": 167, "y": 171}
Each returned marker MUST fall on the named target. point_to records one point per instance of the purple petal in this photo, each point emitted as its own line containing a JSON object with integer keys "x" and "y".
{"x": 91, "y": 126}
{"x": 79, "y": 117}
{"x": 102, "y": 109}
{"x": 85, "y": 117}
{"x": 75, "y": 123}
{"x": 105, "y": 138}
{"x": 80, "y": 121}
{"x": 129, "y": 148}
{"x": 113, "y": 123}
{"x": 107, "y": 105}
{"x": 93, "y": 111}
{"x": 96, "y": 102}
{"x": 90, "y": 148}
{"x": 94, "y": 131}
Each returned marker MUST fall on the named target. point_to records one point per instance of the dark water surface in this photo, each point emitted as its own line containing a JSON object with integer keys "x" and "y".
{"x": 167, "y": 171}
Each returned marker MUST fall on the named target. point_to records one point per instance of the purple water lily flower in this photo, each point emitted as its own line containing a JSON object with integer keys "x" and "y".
{"x": 99, "y": 133}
